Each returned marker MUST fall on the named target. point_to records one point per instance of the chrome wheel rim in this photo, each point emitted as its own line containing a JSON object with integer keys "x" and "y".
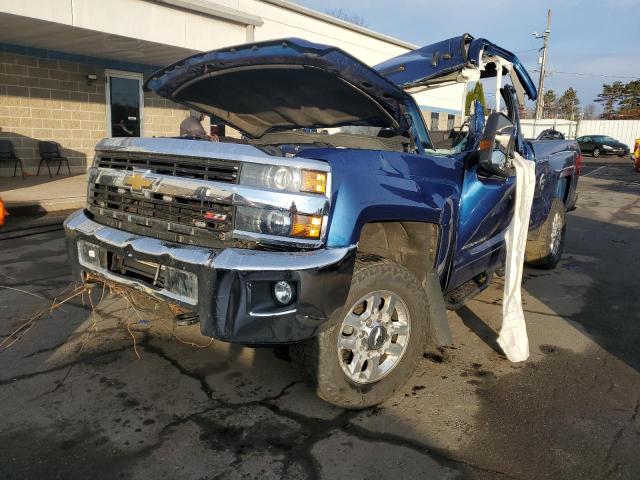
{"x": 373, "y": 336}
{"x": 556, "y": 233}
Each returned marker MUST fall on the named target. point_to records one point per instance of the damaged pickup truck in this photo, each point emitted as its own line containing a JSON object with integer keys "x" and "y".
{"x": 338, "y": 224}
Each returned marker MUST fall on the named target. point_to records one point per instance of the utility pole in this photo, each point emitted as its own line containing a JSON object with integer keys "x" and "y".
{"x": 545, "y": 37}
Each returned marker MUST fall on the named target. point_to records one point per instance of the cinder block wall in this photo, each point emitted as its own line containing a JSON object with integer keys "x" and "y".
{"x": 46, "y": 99}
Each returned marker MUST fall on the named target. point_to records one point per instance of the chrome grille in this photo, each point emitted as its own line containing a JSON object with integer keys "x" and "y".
{"x": 153, "y": 210}
{"x": 199, "y": 168}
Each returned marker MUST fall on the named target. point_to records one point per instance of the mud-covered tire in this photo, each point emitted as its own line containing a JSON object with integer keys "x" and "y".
{"x": 542, "y": 250}
{"x": 318, "y": 360}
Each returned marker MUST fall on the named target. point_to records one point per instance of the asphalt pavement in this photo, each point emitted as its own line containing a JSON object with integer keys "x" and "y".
{"x": 80, "y": 399}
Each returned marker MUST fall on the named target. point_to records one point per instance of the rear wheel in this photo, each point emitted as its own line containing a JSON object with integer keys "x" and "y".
{"x": 596, "y": 152}
{"x": 376, "y": 342}
{"x": 545, "y": 249}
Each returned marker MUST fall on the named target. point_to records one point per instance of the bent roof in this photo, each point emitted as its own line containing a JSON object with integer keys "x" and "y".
{"x": 435, "y": 63}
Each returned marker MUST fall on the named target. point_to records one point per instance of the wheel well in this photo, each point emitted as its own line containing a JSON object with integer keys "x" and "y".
{"x": 410, "y": 244}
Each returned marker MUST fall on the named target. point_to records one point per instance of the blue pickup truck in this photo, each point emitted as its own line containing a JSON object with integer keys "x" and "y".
{"x": 337, "y": 223}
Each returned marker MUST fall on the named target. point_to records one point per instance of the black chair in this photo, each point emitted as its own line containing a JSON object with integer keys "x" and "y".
{"x": 50, "y": 152}
{"x": 8, "y": 154}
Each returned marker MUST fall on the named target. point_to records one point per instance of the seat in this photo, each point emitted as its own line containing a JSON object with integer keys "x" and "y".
{"x": 8, "y": 154}
{"x": 50, "y": 152}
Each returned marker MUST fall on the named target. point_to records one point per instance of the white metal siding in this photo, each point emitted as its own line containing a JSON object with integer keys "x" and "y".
{"x": 627, "y": 131}
{"x": 624, "y": 130}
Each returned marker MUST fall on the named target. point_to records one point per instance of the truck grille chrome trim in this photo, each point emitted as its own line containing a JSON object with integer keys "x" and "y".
{"x": 222, "y": 193}
{"x": 187, "y": 210}
{"x": 198, "y": 168}
{"x": 193, "y": 214}
{"x": 187, "y": 191}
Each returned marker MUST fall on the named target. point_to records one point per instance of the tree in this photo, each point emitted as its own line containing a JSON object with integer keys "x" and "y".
{"x": 629, "y": 106}
{"x": 348, "y": 17}
{"x": 589, "y": 112}
{"x": 569, "y": 104}
{"x": 476, "y": 94}
{"x": 610, "y": 96}
{"x": 549, "y": 104}
{"x": 620, "y": 100}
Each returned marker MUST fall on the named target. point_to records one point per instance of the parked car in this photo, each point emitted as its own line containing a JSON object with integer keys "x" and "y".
{"x": 347, "y": 246}
{"x": 598, "y": 145}
{"x": 550, "y": 134}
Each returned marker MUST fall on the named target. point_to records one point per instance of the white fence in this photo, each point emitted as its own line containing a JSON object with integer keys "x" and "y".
{"x": 624, "y": 130}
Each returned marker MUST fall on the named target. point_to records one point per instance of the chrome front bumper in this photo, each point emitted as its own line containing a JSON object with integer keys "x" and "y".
{"x": 228, "y": 288}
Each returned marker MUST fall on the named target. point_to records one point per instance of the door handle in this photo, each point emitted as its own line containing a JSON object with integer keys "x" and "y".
{"x": 133, "y": 119}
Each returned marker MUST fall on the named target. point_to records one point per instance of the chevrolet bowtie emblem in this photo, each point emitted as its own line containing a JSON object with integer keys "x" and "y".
{"x": 137, "y": 182}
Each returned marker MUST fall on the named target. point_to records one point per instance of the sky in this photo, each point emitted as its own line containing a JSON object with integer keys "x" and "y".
{"x": 592, "y": 42}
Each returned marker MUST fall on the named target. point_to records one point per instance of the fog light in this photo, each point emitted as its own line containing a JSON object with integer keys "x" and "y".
{"x": 283, "y": 292}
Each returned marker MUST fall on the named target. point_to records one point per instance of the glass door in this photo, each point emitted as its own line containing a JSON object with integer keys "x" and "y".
{"x": 124, "y": 104}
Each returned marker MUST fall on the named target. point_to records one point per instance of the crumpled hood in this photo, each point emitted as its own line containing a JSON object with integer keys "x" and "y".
{"x": 280, "y": 85}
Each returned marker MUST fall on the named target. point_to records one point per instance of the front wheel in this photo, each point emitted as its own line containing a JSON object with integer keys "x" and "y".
{"x": 376, "y": 342}
{"x": 596, "y": 152}
{"x": 545, "y": 247}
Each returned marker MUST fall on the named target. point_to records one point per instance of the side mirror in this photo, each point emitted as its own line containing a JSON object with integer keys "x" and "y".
{"x": 497, "y": 145}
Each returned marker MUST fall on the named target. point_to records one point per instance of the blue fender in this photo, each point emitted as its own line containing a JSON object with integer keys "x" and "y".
{"x": 375, "y": 186}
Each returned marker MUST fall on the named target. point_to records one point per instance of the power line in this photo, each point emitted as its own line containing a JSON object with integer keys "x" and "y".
{"x": 583, "y": 74}
{"x": 529, "y": 50}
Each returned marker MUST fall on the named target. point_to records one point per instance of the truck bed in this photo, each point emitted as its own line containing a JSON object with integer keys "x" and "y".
{"x": 547, "y": 148}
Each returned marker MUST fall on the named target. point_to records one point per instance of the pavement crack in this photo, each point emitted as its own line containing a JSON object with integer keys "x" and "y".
{"x": 204, "y": 386}
{"x": 46, "y": 350}
{"x": 437, "y": 454}
{"x": 315, "y": 429}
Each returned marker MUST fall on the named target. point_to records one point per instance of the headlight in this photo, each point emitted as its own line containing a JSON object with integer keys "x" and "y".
{"x": 280, "y": 177}
{"x": 278, "y": 223}
{"x": 607, "y": 147}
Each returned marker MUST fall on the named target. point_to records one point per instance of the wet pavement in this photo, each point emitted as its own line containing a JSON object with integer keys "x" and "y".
{"x": 77, "y": 402}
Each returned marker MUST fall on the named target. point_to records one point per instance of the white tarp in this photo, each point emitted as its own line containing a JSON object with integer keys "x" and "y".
{"x": 513, "y": 334}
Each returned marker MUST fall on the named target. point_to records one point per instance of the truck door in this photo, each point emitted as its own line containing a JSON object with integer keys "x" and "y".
{"x": 486, "y": 209}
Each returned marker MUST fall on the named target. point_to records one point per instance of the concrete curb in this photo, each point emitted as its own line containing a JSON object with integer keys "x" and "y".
{"x": 27, "y": 209}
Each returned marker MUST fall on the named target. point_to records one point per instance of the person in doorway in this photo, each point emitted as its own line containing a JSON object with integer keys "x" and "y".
{"x": 192, "y": 126}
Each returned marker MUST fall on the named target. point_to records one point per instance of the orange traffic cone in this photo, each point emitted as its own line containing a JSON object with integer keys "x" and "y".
{"x": 3, "y": 212}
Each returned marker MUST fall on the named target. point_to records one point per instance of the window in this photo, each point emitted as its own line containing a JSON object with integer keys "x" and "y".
{"x": 451, "y": 119}
{"x": 435, "y": 117}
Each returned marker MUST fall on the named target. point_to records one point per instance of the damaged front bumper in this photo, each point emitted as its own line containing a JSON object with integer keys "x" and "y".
{"x": 230, "y": 289}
